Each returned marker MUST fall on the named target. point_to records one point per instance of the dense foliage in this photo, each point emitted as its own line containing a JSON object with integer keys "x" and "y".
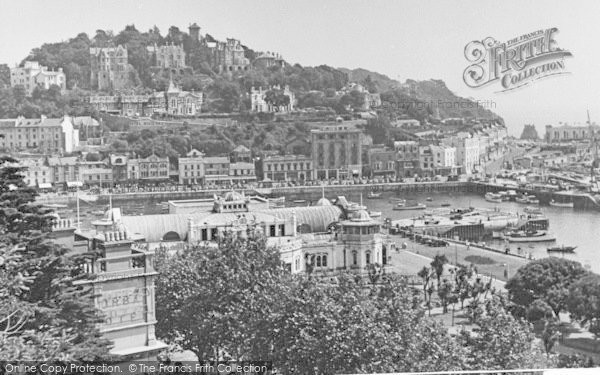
{"x": 583, "y": 302}
{"x": 547, "y": 279}
{"x": 236, "y": 301}
{"x": 44, "y": 314}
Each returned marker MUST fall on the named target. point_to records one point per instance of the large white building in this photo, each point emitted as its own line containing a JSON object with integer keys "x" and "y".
{"x": 32, "y": 75}
{"x": 317, "y": 239}
{"x": 191, "y": 168}
{"x": 467, "y": 151}
{"x": 51, "y": 135}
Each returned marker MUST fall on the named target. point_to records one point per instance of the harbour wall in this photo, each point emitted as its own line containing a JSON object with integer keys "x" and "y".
{"x": 581, "y": 201}
{"x": 312, "y": 193}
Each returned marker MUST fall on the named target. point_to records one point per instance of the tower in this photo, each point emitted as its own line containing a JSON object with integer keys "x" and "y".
{"x": 123, "y": 289}
{"x": 194, "y": 30}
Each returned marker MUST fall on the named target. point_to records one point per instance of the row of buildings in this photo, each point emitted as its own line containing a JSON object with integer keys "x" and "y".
{"x": 340, "y": 151}
{"x": 174, "y": 101}
{"x": 58, "y": 172}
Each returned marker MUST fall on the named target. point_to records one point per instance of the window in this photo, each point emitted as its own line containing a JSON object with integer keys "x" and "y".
{"x": 204, "y": 234}
{"x": 272, "y": 230}
{"x": 318, "y": 261}
{"x": 368, "y": 257}
{"x": 282, "y": 229}
{"x": 324, "y": 261}
{"x": 354, "y": 257}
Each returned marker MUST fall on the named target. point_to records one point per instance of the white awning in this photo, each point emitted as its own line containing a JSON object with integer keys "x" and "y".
{"x": 45, "y": 185}
{"x": 74, "y": 183}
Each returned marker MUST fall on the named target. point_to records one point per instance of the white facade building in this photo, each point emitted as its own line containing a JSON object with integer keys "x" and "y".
{"x": 32, "y": 75}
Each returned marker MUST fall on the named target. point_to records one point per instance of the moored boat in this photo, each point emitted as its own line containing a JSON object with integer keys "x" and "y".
{"x": 373, "y": 195}
{"x": 527, "y": 199}
{"x": 533, "y": 210}
{"x": 429, "y": 199}
{"x": 561, "y": 204}
{"x": 86, "y": 197}
{"x": 492, "y": 197}
{"x": 375, "y": 213}
{"x": 562, "y": 249}
{"x": 54, "y": 205}
{"x": 529, "y": 236}
{"x": 404, "y": 206}
{"x": 446, "y": 204}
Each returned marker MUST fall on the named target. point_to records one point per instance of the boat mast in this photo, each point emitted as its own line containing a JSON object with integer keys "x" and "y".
{"x": 78, "y": 221}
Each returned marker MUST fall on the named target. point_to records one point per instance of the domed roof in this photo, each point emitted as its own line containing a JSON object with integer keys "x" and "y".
{"x": 323, "y": 202}
{"x": 233, "y": 196}
{"x": 361, "y": 215}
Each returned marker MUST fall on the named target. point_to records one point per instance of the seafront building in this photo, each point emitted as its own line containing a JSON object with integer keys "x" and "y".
{"x": 47, "y": 135}
{"x": 567, "y": 133}
{"x": 325, "y": 237}
{"x": 337, "y": 151}
{"x": 287, "y": 168}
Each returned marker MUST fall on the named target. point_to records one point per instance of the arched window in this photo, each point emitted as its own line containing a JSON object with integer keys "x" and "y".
{"x": 324, "y": 261}
{"x": 354, "y": 257}
{"x": 368, "y": 257}
{"x": 318, "y": 261}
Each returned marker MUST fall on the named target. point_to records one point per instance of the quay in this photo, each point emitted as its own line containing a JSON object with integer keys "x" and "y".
{"x": 310, "y": 192}
{"x": 581, "y": 201}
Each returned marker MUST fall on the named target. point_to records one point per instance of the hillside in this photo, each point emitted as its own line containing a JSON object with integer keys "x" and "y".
{"x": 418, "y": 94}
{"x": 314, "y": 87}
{"x": 382, "y": 82}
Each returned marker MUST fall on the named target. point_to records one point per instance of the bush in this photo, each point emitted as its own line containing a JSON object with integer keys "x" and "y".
{"x": 476, "y": 259}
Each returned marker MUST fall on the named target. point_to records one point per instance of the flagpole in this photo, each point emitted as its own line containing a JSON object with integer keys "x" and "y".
{"x": 78, "y": 220}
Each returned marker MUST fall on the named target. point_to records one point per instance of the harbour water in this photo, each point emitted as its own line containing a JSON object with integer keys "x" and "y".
{"x": 570, "y": 227}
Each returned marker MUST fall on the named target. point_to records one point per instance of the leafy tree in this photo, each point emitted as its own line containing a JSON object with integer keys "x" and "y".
{"x": 574, "y": 361}
{"x": 44, "y": 314}
{"x": 277, "y": 98}
{"x": 539, "y": 310}
{"x": 547, "y": 279}
{"x": 437, "y": 264}
{"x": 349, "y": 327}
{"x": 4, "y": 76}
{"x": 550, "y": 335}
{"x": 425, "y": 273}
{"x": 214, "y": 300}
{"x": 583, "y": 302}
{"x": 500, "y": 341}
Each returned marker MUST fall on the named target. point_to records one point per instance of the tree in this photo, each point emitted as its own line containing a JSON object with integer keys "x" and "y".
{"x": 277, "y": 98}
{"x": 425, "y": 273}
{"x": 44, "y": 314}
{"x": 583, "y": 302}
{"x": 215, "y": 300}
{"x": 500, "y": 341}
{"x": 350, "y": 327}
{"x": 437, "y": 264}
{"x": 550, "y": 335}
{"x": 547, "y": 279}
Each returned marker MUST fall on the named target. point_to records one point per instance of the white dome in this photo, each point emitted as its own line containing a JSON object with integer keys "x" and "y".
{"x": 323, "y": 202}
{"x": 361, "y": 215}
{"x": 233, "y": 196}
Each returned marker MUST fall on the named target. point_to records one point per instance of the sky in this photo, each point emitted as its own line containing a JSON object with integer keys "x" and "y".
{"x": 403, "y": 39}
